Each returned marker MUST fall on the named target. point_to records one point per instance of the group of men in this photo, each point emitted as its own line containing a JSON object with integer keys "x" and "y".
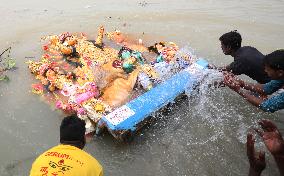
{"x": 267, "y": 71}
{"x": 68, "y": 158}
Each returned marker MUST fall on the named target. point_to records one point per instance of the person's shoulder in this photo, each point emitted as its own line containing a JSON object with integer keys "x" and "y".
{"x": 273, "y": 81}
{"x": 250, "y": 49}
{"x": 273, "y": 86}
{"x": 86, "y": 156}
{"x": 279, "y": 82}
{"x": 247, "y": 48}
{"x": 41, "y": 158}
{"x": 50, "y": 149}
{"x": 91, "y": 158}
{"x": 93, "y": 163}
{"x": 248, "y": 53}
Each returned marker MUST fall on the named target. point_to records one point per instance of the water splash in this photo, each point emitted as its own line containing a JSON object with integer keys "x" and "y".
{"x": 211, "y": 110}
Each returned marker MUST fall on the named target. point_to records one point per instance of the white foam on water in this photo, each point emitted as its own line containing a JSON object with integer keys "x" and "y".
{"x": 209, "y": 105}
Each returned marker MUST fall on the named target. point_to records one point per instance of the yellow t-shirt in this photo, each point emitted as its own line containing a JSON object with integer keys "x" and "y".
{"x": 66, "y": 160}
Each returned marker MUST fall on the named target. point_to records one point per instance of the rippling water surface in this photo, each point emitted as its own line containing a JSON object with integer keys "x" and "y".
{"x": 204, "y": 135}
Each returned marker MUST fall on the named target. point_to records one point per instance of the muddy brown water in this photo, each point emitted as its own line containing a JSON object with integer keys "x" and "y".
{"x": 203, "y": 136}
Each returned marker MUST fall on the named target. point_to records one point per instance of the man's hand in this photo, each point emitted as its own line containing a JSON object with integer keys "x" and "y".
{"x": 231, "y": 82}
{"x": 256, "y": 159}
{"x": 273, "y": 141}
{"x": 271, "y": 137}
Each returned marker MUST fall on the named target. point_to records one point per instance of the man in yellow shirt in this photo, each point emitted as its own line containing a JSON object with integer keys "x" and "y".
{"x": 68, "y": 158}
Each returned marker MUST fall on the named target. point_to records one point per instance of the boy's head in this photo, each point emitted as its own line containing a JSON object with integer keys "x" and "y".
{"x": 72, "y": 131}
{"x": 274, "y": 64}
{"x": 230, "y": 42}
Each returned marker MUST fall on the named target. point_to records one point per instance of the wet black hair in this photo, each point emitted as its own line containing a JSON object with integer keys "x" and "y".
{"x": 72, "y": 129}
{"x": 275, "y": 60}
{"x": 232, "y": 39}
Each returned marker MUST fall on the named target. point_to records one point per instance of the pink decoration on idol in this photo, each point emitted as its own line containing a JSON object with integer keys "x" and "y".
{"x": 84, "y": 96}
{"x": 65, "y": 66}
{"x": 52, "y": 65}
{"x": 88, "y": 61}
{"x": 45, "y": 47}
{"x": 38, "y": 87}
{"x": 43, "y": 68}
{"x": 91, "y": 91}
{"x": 59, "y": 104}
{"x": 47, "y": 56}
{"x": 81, "y": 111}
{"x": 83, "y": 34}
{"x": 69, "y": 89}
{"x": 63, "y": 36}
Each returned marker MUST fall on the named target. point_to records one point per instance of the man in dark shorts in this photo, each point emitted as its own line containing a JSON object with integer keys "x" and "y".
{"x": 247, "y": 60}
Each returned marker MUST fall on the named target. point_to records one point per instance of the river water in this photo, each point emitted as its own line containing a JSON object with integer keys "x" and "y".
{"x": 204, "y": 135}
